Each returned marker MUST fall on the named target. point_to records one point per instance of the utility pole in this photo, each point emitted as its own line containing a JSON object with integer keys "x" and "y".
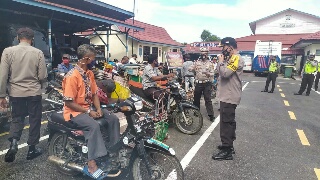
{"x": 134, "y": 14}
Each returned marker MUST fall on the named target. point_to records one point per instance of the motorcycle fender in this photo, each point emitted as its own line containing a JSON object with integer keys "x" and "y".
{"x": 157, "y": 145}
{"x": 188, "y": 105}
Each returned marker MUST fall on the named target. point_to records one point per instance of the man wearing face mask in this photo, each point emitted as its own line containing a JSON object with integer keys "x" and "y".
{"x": 65, "y": 66}
{"x": 82, "y": 106}
{"x": 24, "y": 70}
{"x": 308, "y": 69}
{"x": 151, "y": 74}
{"x": 230, "y": 68}
{"x": 204, "y": 72}
{"x": 272, "y": 76}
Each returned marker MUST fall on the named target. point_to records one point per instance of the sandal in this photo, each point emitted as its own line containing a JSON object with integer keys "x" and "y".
{"x": 99, "y": 174}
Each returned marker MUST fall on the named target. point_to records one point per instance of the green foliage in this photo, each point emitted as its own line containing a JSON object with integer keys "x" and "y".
{"x": 207, "y": 36}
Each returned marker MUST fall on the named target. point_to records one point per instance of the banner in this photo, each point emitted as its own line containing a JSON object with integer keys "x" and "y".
{"x": 204, "y": 44}
{"x": 174, "y": 59}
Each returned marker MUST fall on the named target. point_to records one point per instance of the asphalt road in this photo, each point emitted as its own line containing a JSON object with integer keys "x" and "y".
{"x": 277, "y": 138}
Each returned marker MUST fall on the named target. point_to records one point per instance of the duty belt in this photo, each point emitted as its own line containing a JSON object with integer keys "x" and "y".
{"x": 204, "y": 81}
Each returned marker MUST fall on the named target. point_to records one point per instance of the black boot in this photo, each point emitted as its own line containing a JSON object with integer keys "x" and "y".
{"x": 33, "y": 152}
{"x": 220, "y": 147}
{"x": 211, "y": 118}
{"x": 297, "y": 94}
{"x": 270, "y": 92}
{"x": 224, "y": 154}
{"x": 264, "y": 90}
{"x": 11, "y": 154}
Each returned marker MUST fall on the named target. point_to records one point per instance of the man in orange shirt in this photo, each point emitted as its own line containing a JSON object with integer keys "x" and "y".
{"x": 80, "y": 93}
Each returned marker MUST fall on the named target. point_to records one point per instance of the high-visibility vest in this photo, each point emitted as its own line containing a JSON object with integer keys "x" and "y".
{"x": 309, "y": 69}
{"x": 273, "y": 67}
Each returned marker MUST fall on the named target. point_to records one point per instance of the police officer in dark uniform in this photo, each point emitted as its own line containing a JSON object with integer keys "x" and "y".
{"x": 230, "y": 68}
{"x": 308, "y": 70}
{"x": 204, "y": 72}
{"x": 272, "y": 76}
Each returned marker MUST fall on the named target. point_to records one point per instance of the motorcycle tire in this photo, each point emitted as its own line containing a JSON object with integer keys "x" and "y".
{"x": 182, "y": 125}
{"x": 52, "y": 151}
{"x": 175, "y": 171}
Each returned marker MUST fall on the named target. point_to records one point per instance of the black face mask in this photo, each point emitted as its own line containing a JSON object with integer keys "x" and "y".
{"x": 156, "y": 64}
{"x": 226, "y": 53}
{"x": 91, "y": 65}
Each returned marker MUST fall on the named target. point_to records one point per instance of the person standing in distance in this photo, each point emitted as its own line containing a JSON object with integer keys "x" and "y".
{"x": 272, "y": 76}
{"x": 230, "y": 68}
{"x": 24, "y": 86}
{"x": 65, "y": 66}
{"x": 308, "y": 69}
{"x": 187, "y": 76}
{"x": 316, "y": 82}
{"x": 204, "y": 72}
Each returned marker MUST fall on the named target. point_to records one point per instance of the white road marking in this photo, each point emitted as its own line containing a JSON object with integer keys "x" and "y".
{"x": 316, "y": 91}
{"x": 193, "y": 151}
{"x": 23, "y": 145}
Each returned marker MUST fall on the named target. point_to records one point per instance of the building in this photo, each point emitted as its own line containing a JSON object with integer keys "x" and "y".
{"x": 298, "y": 32}
{"x": 153, "y": 40}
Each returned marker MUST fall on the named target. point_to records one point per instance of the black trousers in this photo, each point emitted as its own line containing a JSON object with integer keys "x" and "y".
{"x": 205, "y": 89}
{"x": 316, "y": 82}
{"x": 307, "y": 81}
{"x": 21, "y": 107}
{"x": 227, "y": 123}
{"x": 271, "y": 77}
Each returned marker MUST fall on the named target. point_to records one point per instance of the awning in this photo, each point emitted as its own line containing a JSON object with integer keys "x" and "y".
{"x": 64, "y": 18}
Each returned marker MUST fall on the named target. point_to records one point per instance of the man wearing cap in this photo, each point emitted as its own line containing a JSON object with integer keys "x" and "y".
{"x": 65, "y": 66}
{"x": 230, "y": 68}
{"x": 204, "y": 72}
{"x": 308, "y": 70}
{"x": 272, "y": 76}
{"x": 24, "y": 70}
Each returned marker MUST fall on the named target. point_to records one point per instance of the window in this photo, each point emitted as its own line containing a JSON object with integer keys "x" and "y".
{"x": 146, "y": 52}
{"x": 318, "y": 52}
{"x": 174, "y": 50}
{"x": 288, "y": 17}
{"x": 155, "y": 51}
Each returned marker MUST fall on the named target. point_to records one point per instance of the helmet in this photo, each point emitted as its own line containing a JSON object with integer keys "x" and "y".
{"x": 108, "y": 66}
{"x": 311, "y": 56}
{"x": 109, "y": 85}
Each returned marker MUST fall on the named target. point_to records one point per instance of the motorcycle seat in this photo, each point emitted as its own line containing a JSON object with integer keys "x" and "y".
{"x": 55, "y": 84}
{"x": 59, "y": 119}
{"x": 139, "y": 92}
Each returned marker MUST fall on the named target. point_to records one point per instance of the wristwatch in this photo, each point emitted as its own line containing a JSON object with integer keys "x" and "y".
{"x": 88, "y": 111}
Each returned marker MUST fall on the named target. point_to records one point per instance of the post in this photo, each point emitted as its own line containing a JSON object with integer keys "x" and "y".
{"x": 134, "y": 6}
{"x": 108, "y": 50}
{"x": 127, "y": 43}
{"x": 49, "y": 39}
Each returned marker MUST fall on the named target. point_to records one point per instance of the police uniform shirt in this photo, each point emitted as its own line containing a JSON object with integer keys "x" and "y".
{"x": 202, "y": 67}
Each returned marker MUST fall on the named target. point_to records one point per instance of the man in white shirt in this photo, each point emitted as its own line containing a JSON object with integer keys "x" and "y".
{"x": 133, "y": 59}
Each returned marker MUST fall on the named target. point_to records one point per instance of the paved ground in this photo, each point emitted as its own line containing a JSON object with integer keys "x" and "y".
{"x": 277, "y": 138}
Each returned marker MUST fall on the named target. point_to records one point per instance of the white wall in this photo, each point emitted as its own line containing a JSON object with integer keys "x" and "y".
{"x": 300, "y": 24}
{"x": 312, "y": 48}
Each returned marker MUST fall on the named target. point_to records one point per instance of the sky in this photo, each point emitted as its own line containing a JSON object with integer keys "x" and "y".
{"x": 184, "y": 20}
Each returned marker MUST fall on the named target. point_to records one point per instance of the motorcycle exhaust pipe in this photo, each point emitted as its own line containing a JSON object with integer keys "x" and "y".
{"x": 52, "y": 101}
{"x": 73, "y": 166}
{"x": 58, "y": 161}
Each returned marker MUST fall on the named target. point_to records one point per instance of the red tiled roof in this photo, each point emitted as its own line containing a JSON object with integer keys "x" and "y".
{"x": 314, "y": 36}
{"x": 151, "y": 33}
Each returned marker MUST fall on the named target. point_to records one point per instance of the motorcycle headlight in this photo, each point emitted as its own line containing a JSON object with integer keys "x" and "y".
{"x": 138, "y": 105}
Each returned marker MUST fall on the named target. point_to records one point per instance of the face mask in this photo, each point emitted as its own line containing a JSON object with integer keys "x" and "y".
{"x": 156, "y": 64}
{"x": 91, "y": 65}
{"x": 226, "y": 53}
{"x": 203, "y": 57}
{"x": 65, "y": 61}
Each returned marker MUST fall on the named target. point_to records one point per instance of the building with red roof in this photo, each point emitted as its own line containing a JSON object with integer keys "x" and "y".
{"x": 298, "y": 32}
{"x": 153, "y": 40}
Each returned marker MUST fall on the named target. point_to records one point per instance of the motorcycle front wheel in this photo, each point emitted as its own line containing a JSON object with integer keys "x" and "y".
{"x": 163, "y": 165}
{"x": 189, "y": 121}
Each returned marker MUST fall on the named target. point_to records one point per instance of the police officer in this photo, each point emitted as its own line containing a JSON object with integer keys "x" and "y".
{"x": 317, "y": 78}
{"x": 230, "y": 69}
{"x": 308, "y": 69}
{"x": 204, "y": 71}
{"x": 272, "y": 76}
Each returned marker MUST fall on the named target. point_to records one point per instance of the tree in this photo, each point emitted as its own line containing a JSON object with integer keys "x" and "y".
{"x": 207, "y": 36}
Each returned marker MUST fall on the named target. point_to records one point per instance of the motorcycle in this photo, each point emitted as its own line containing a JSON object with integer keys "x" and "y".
{"x": 177, "y": 108}
{"x": 138, "y": 156}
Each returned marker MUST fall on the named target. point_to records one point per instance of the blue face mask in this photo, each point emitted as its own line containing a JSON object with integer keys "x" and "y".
{"x": 92, "y": 64}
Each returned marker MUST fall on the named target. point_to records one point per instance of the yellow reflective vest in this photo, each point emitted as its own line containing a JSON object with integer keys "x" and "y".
{"x": 273, "y": 66}
{"x": 309, "y": 68}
